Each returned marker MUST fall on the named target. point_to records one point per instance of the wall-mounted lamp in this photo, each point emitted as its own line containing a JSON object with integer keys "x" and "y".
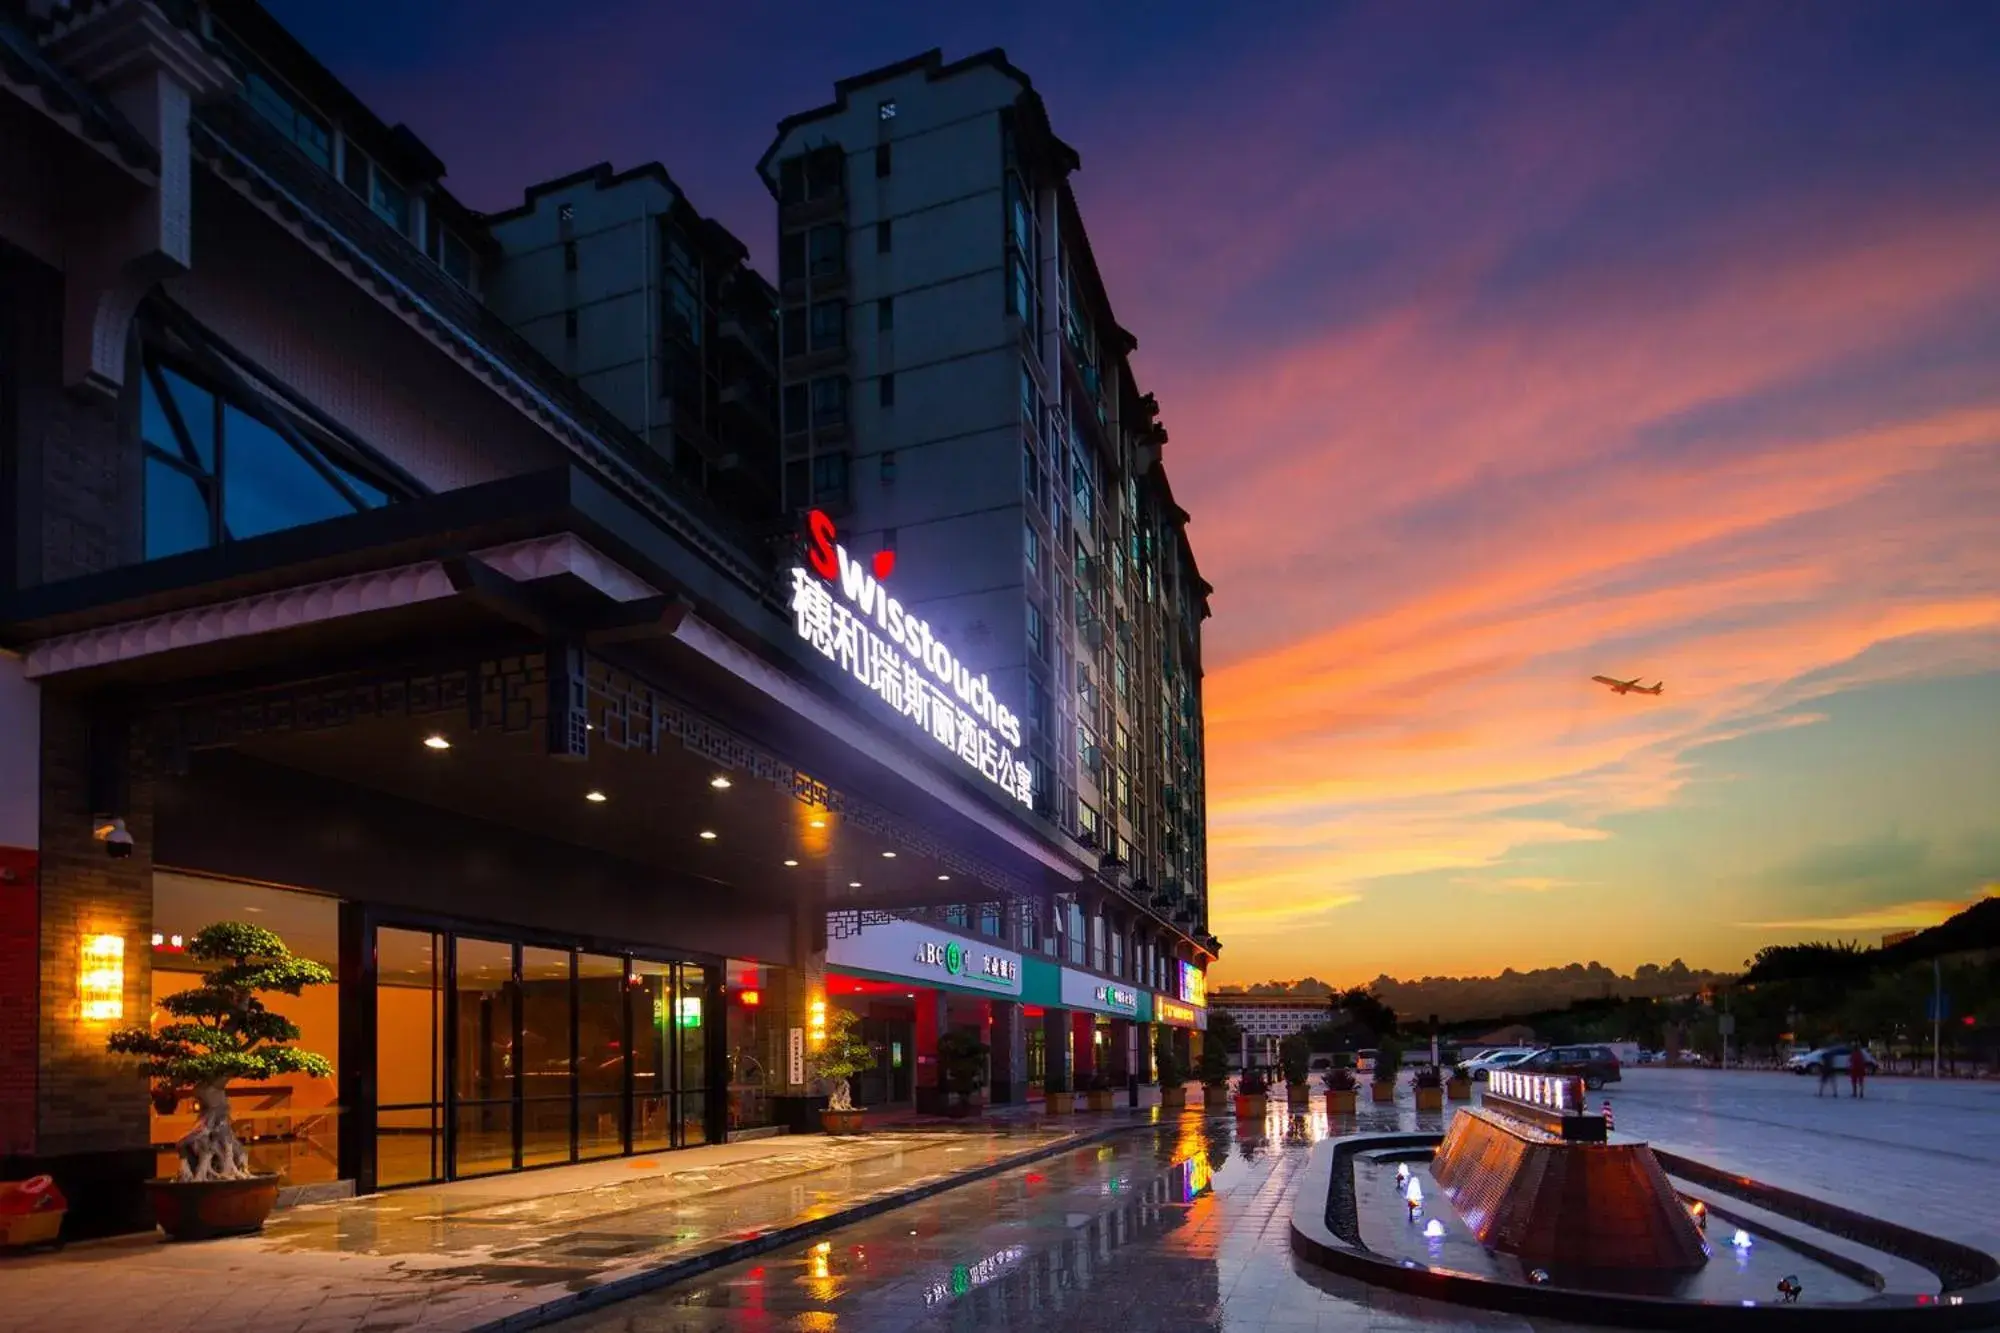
{"x": 101, "y": 978}
{"x": 816, "y": 1021}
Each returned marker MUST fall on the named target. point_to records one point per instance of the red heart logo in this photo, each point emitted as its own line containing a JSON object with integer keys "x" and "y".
{"x": 884, "y": 562}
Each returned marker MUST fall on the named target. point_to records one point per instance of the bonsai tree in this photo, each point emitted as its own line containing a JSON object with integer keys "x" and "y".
{"x": 1295, "y": 1059}
{"x": 1388, "y": 1060}
{"x": 1166, "y": 1064}
{"x": 964, "y": 1059}
{"x": 842, "y": 1054}
{"x": 222, "y": 1032}
{"x": 1213, "y": 1067}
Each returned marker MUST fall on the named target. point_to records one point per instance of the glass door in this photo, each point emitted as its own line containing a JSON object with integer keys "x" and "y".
{"x": 548, "y": 1047}
{"x": 689, "y": 1026}
{"x": 601, "y": 1044}
{"x": 649, "y": 1008}
{"x": 409, "y": 1057}
{"x": 485, "y": 1030}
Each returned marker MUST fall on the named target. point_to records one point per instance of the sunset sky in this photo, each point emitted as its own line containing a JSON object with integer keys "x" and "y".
{"x": 1501, "y": 345}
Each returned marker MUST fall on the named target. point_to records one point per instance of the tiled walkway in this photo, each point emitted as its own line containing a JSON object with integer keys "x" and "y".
{"x": 467, "y": 1255}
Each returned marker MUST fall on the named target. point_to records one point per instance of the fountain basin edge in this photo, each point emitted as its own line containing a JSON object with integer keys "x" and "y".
{"x": 1326, "y": 1234}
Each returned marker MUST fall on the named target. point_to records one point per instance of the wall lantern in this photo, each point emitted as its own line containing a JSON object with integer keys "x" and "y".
{"x": 101, "y": 978}
{"x": 750, "y": 998}
{"x": 816, "y": 1021}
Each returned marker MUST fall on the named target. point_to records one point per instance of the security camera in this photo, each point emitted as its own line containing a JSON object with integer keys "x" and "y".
{"x": 116, "y": 838}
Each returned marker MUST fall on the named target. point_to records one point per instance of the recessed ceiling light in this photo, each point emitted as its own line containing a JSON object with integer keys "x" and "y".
{"x": 819, "y": 823}
{"x": 436, "y": 743}
{"x": 853, "y": 883}
{"x": 595, "y": 796}
{"x": 720, "y": 783}
{"x": 889, "y": 855}
{"x": 707, "y": 835}
{"x": 790, "y": 862}
{"x": 944, "y": 876}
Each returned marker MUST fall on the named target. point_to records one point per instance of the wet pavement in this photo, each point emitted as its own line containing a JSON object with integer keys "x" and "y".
{"x": 468, "y": 1255}
{"x": 1181, "y": 1228}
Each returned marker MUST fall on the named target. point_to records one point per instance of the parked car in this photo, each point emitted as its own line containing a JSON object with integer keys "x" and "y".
{"x": 1498, "y": 1057}
{"x": 1364, "y": 1061}
{"x": 1645, "y": 1057}
{"x": 1831, "y": 1057}
{"x": 1595, "y": 1065}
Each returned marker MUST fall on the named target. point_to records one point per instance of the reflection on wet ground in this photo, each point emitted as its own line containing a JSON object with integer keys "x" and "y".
{"x": 1185, "y": 1227}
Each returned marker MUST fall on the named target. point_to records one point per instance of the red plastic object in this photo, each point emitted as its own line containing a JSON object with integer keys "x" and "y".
{"x": 37, "y": 1195}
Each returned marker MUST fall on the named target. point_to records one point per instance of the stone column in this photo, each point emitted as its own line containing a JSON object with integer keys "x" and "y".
{"x": 1010, "y": 1053}
{"x": 1055, "y": 1047}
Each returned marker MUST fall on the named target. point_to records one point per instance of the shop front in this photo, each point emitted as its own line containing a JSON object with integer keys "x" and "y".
{"x": 1105, "y": 1019}
{"x": 909, "y": 982}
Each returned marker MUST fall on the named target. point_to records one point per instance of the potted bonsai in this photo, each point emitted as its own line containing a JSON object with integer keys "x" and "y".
{"x": 1429, "y": 1083}
{"x": 842, "y": 1054}
{"x": 1251, "y": 1091}
{"x": 218, "y": 1032}
{"x": 1057, "y": 1099}
{"x": 1097, "y": 1091}
{"x": 1213, "y": 1071}
{"x": 1388, "y": 1060}
{"x": 1173, "y": 1078}
{"x": 1295, "y": 1059}
{"x": 1341, "y": 1093}
{"x": 963, "y": 1057}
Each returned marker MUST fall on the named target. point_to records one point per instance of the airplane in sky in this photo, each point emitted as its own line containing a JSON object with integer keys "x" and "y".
{"x": 1631, "y": 686}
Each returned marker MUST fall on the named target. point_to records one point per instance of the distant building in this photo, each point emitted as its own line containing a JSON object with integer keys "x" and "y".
{"x": 1896, "y": 937}
{"x": 1272, "y": 1016}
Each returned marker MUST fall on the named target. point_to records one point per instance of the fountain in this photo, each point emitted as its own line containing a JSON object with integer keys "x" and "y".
{"x": 1530, "y": 1204}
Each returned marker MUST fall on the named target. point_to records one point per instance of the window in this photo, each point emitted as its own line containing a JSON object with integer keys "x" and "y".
{"x": 1038, "y": 706}
{"x": 569, "y": 325}
{"x": 390, "y": 201}
{"x": 829, "y": 477}
{"x": 565, "y": 212}
{"x": 1031, "y": 474}
{"x": 796, "y": 407}
{"x": 454, "y": 256}
{"x": 569, "y": 256}
{"x": 813, "y": 175}
{"x": 216, "y": 472}
{"x": 1078, "y": 936}
{"x": 886, "y": 110}
{"x": 885, "y": 314}
{"x": 881, "y": 159}
{"x": 826, "y": 251}
{"x": 829, "y": 401}
{"x": 683, "y": 309}
{"x": 1021, "y": 291}
{"x": 883, "y": 240}
{"x": 829, "y": 325}
{"x": 306, "y": 131}
{"x": 888, "y": 469}
{"x": 1037, "y": 638}
{"x": 1031, "y": 547}
{"x": 885, "y": 390}
{"x": 791, "y": 257}
{"x": 792, "y": 331}
{"x": 989, "y": 920}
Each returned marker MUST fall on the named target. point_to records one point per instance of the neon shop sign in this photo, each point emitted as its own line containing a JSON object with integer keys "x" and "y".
{"x": 841, "y": 609}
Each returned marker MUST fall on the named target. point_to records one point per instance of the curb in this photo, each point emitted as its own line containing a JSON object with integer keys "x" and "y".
{"x": 680, "y": 1270}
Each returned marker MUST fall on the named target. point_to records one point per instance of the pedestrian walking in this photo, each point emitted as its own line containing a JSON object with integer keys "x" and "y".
{"x": 1827, "y": 1073}
{"x": 1857, "y": 1068}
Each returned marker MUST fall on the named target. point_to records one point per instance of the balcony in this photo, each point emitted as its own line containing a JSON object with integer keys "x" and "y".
{"x": 805, "y": 365}
{"x": 759, "y": 342}
{"x": 751, "y": 403}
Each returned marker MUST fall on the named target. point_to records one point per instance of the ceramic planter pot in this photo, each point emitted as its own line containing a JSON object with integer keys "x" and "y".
{"x": 1251, "y": 1106}
{"x": 1341, "y": 1103}
{"x": 1382, "y": 1094}
{"x": 842, "y": 1122}
{"x": 1430, "y": 1099}
{"x": 1174, "y": 1097}
{"x": 202, "y": 1209}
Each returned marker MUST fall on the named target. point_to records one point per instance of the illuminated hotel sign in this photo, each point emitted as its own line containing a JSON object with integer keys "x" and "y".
{"x": 1194, "y": 985}
{"x": 1172, "y": 1011}
{"x": 840, "y": 608}
{"x": 930, "y": 957}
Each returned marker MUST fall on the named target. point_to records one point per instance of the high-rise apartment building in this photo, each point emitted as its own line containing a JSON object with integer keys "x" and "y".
{"x": 653, "y": 309}
{"x": 955, "y": 388}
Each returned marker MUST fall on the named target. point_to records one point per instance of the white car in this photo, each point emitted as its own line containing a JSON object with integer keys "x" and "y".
{"x": 1835, "y": 1057}
{"x": 1505, "y": 1057}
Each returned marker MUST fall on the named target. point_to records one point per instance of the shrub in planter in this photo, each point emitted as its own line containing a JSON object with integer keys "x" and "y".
{"x": 1295, "y": 1060}
{"x": 1057, "y": 1099}
{"x": 963, "y": 1057}
{"x": 1097, "y": 1091}
{"x": 1342, "y": 1091}
{"x": 219, "y": 1032}
{"x": 1167, "y": 1067}
{"x": 1388, "y": 1062}
{"x": 1459, "y": 1085}
{"x": 1429, "y": 1083}
{"x": 1213, "y": 1071}
{"x": 1251, "y": 1093}
{"x": 842, "y": 1054}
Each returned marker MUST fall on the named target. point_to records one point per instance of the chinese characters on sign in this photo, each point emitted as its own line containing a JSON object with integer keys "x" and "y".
{"x": 955, "y": 958}
{"x": 905, "y": 664}
{"x": 1117, "y": 997}
{"x": 1169, "y": 1011}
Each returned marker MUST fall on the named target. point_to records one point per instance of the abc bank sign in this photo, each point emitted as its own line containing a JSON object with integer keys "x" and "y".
{"x": 913, "y": 951}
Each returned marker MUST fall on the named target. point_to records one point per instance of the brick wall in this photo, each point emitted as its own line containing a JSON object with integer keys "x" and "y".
{"x": 89, "y": 1101}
